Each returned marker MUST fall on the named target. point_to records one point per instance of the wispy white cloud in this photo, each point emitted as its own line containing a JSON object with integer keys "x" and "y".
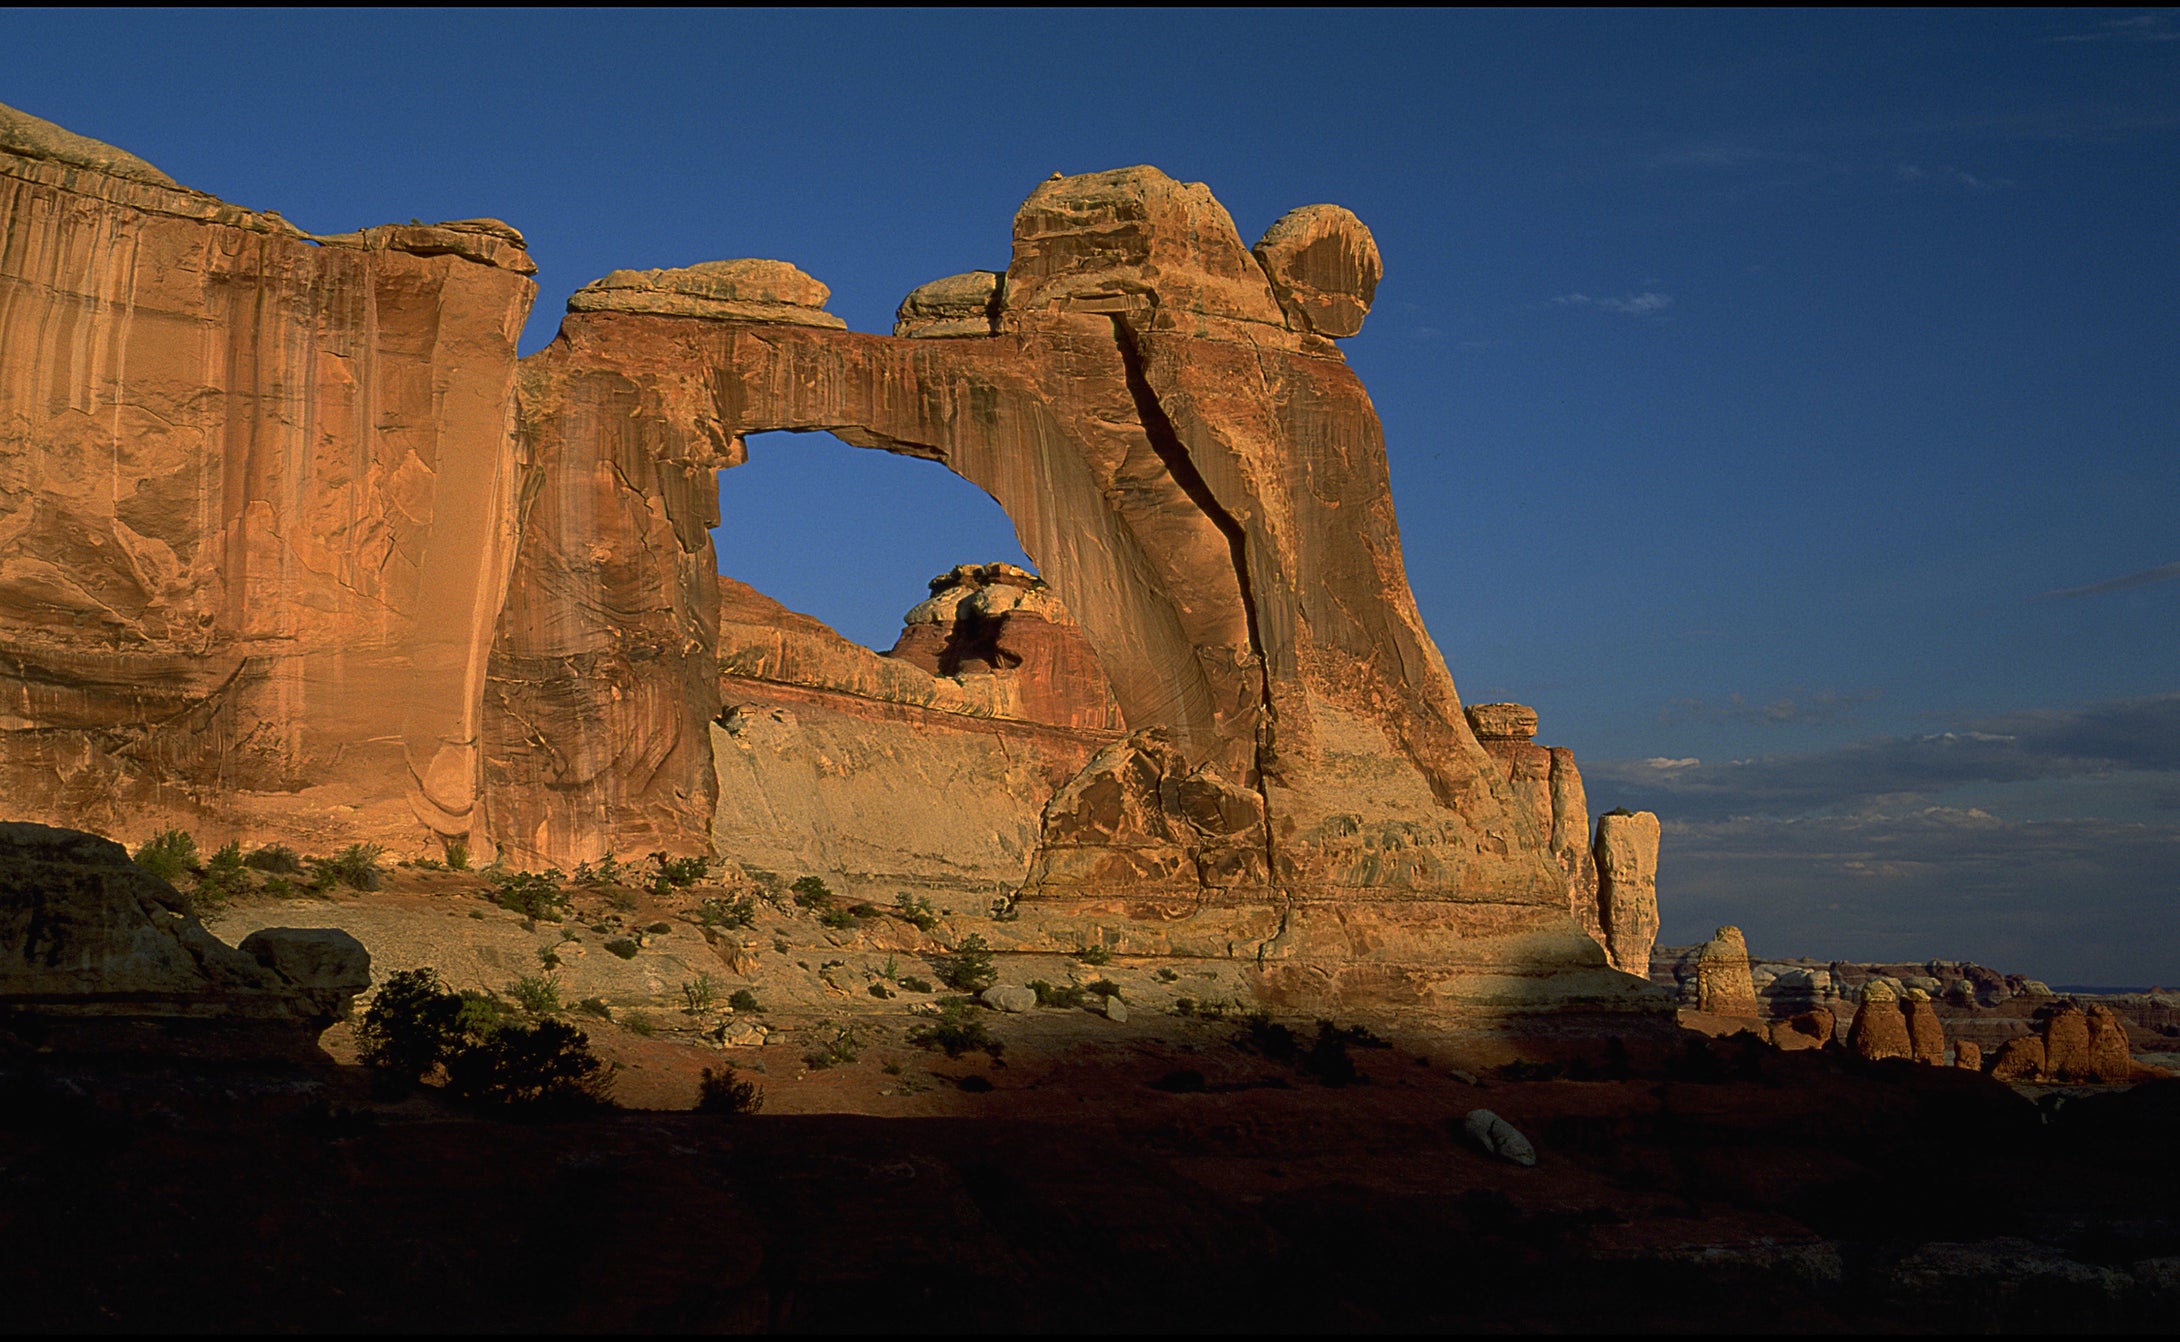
{"x": 2156, "y": 26}
{"x": 1648, "y": 303}
{"x": 1948, "y": 176}
{"x": 2162, "y": 573}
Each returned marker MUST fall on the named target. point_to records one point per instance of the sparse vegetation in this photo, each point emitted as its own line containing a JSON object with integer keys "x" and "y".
{"x": 223, "y": 878}
{"x": 457, "y": 855}
{"x": 1049, "y": 996}
{"x": 1094, "y": 955}
{"x": 844, "y": 1047}
{"x": 537, "y": 994}
{"x": 721, "y": 1093}
{"x": 545, "y": 1066}
{"x": 744, "y": 1000}
{"x": 548, "y": 957}
{"x": 675, "y": 873}
{"x": 879, "y": 990}
{"x": 1326, "y": 1057}
{"x": 1104, "y": 988}
{"x": 356, "y": 866}
{"x": 595, "y": 1006}
{"x": 916, "y": 985}
{"x": 701, "y": 993}
{"x": 607, "y": 870}
{"x": 958, "y": 1029}
{"x": 533, "y": 894}
{"x": 168, "y": 855}
{"x": 1166, "y": 975}
{"x": 915, "y": 911}
{"x": 277, "y": 858}
{"x": 623, "y": 947}
{"x": 639, "y": 1024}
{"x": 812, "y": 893}
{"x": 728, "y": 913}
{"x": 969, "y": 968}
{"x": 840, "y": 920}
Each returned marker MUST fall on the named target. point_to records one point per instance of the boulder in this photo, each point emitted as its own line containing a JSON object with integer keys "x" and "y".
{"x": 1115, "y": 1009}
{"x": 743, "y": 290}
{"x": 1324, "y": 268}
{"x": 1880, "y": 1029}
{"x": 1626, "y": 851}
{"x": 1723, "y": 986}
{"x": 1498, "y": 1137}
{"x": 2019, "y": 1059}
{"x": 1501, "y": 722}
{"x": 1809, "y": 1029}
{"x": 959, "y": 305}
{"x": 1926, "y": 1033}
{"x": 327, "y": 966}
{"x": 2110, "y": 1059}
{"x": 99, "y": 955}
{"x": 1968, "y": 1055}
{"x": 1009, "y": 997}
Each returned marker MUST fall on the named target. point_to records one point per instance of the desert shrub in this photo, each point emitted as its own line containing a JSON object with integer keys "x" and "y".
{"x": 623, "y": 947}
{"x": 279, "y": 887}
{"x": 744, "y": 1000}
{"x": 674, "y": 873}
{"x": 728, "y": 913}
{"x": 811, "y": 892}
{"x": 544, "y": 1066}
{"x": 845, "y": 1046}
{"x": 413, "y": 1023}
{"x": 1094, "y": 955}
{"x": 1184, "y": 1006}
{"x": 457, "y": 855}
{"x": 533, "y": 894}
{"x": 169, "y": 855}
{"x": 914, "y": 911}
{"x": 595, "y": 1006}
{"x": 607, "y": 870}
{"x": 916, "y": 985}
{"x": 722, "y": 1093}
{"x": 537, "y": 994}
{"x": 701, "y": 993}
{"x": 864, "y": 910}
{"x": 1325, "y": 1057}
{"x": 1104, "y": 988}
{"x": 548, "y": 957}
{"x": 639, "y": 1024}
{"x": 1049, "y": 996}
{"x": 658, "y": 929}
{"x": 879, "y": 990}
{"x": 277, "y": 858}
{"x": 222, "y": 879}
{"x": 840, "y": 920}
{"x": 1006, "y": 909}
{"x": 1167, "y": 976}
{"x": 620, "y": 899}
{"x": 969, "y": 968}
{"x": 356, "y": 866}
{"x": 958, "y": 1029}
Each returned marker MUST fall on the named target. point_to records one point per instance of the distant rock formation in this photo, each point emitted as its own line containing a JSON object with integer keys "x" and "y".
{"x": 1546, "y": 788}
{"x": 1627, "y": 885}
{"x": 99, "y": 955}
{"x": 1880, "y": 1029}
{"x": 1722, "y": 975}
{"x": 1926, "y": 1033}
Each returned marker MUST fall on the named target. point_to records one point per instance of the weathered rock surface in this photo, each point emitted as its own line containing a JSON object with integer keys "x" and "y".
{"x": 270, "y": 533}
{"x": 327, "y": 966}
{"x": 959, "y": 305}
{"x": 1880, "y": 1029}
{"x": 1011, "y": 998}
{"x": 1324, "y": 268}
{"x": 1546, "y": 788}
{"x": 744, "y": 290}
{"x": 1926, "y": 1033}
{"x": 1722, "y": 975}
{"x": 2020, "y": 1059}
{"x": 1626, "y": 852}
{"x": 1498, "y": 1137}
{"x": 1968, "y": 1055}
{"x": 97, "y": 953}
{"x": 256, "y": 505}
{"x": 2066, "y": 1044}
{"x": 1810, "y": 1029}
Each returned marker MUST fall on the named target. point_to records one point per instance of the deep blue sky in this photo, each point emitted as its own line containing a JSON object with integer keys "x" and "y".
{"x": 1791, "y": 389}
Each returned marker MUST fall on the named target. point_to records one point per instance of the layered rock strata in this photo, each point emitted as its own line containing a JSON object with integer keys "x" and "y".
{"x": 1722, "y": 975}
{"x": 1626, "y": 852}
{"x": 256, "y": 505}
{"x": 1545, "y": 785}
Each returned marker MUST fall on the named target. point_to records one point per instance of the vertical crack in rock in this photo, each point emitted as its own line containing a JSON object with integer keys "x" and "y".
{"x": 1166, "y": 442}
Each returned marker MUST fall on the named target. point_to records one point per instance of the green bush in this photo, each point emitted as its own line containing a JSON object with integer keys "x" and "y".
{"x": 916, "y": 985}
{"x": 607, "y": 870}
{"x": 970, "y": 967}
{"x": 840, "y": 920}
{"x": 623, "y": 947}
{"x": 356, "y": 866}
{"x": 728, "y": 913}
{"x": 541, "y": 1067}
{"x": 277, "y": 858}
{"x": 639, "y": 1024}
{"x": 457, "y": 855}
{"x": 658, "y": 929}
{"x": 1104, "y": 988}
{"x": 595, "y": 1006}
{"x": 811, "y": 892}
{"x": 879, "y": 990}
{"x": 537, "y": 994}
{"x": 413, "y": 1023}
{"x": 958, "y": 1029}
{"x": 530, "y": 893}
{"x": 701, "y": 994}
{"x": 169, "y": 855}
{"x": 674, "y": 873}
{"x": 1049, "y": 996}
{"x": 744, "y": 1000}
{"x": 1094, "y": 955}
{"x": 721, "y": 1093}
{"x": 224, "y": 877}
{"x": 1167, "y": 976}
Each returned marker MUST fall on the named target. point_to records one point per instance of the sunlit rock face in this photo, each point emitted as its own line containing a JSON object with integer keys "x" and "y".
{"x": 290, "y": 539}
{"x": 256, "y": 504}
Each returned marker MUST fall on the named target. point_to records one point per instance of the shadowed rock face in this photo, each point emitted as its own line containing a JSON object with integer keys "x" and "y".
{"x": 309, "y": 554}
